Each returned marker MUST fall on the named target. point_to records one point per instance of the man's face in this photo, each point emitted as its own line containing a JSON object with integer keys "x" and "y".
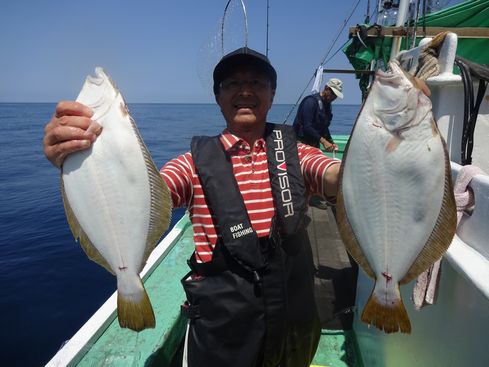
{"x": 328, "y": 95}
{"x": 245, "y": 97}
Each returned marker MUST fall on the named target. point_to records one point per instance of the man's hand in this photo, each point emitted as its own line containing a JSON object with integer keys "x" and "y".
{"x": 420, "y": 83}
{"x": 329, "y": 147}
{"x": 69, "y": 130}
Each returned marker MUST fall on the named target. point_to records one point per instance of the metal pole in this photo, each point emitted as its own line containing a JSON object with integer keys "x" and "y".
{"x": 401, "y": 19}
{"x": 367, "y": 16}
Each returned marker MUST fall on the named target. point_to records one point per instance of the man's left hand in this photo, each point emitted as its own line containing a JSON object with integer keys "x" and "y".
{"x": 328, "y": 146}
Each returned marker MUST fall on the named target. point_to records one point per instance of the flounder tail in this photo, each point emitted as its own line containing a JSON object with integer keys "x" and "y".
{"x": 135, "y": 312}
{"x": 390, "y": 317}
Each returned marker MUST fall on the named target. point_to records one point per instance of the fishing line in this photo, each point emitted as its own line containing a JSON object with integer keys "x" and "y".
{"x": 345, "y": 22}
{"x": 268, "y": 11}
{"x": 245, "y": 24}
{"x": 230, "y": 26}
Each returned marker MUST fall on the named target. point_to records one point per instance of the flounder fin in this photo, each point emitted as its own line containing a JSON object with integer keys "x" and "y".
{"x": 161, "y": 202}
{"x": 344, "y": 228}
{"x": 79, "y": 234}
{"x": 138, "y": 315}
{"x": 349, "y": 239}
{"x": 390, "y": 319}
{"x": 443, "y": 232}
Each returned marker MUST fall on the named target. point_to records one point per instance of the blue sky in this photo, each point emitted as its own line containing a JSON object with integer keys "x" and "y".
{"x": 163, "y": 51}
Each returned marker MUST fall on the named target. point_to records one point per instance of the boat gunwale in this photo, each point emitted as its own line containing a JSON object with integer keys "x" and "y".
{"x": 464, "y": 258}
{"x": 73, "y": 350}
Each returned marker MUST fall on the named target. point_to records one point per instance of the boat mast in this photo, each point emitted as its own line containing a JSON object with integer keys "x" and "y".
{"x": 401, "y": 19}
{"x": 367, "y": 15}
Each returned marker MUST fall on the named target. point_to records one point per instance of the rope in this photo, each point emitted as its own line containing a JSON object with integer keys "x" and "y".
{"x": 464, "y": 196}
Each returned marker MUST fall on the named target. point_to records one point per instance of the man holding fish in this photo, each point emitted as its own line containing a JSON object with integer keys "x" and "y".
{"x": 249, "y": 293}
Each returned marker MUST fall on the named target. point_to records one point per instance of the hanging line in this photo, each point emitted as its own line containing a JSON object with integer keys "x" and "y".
{"x": 345, "y": 22}
{"x": 268, "y": 11}
{"x": 245, "y": 24}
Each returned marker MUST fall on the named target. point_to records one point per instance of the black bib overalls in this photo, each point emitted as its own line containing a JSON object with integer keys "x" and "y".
{"x": 253, "y": 304}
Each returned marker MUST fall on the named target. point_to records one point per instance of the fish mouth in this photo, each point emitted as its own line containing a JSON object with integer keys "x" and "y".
{"x": 396, "y": 98}
{"x": 394, "y": 75}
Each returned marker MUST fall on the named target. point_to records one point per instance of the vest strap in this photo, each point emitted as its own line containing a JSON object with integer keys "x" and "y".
{"x": 288, "y": 188}
{"x": 225, "y": 202}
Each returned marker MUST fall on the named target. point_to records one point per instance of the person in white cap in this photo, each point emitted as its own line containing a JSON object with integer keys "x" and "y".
{"x": 314, "y": 116}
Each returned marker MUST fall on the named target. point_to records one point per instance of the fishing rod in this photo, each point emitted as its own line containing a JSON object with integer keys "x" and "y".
{"x": 245, "y": 24}
{"x": 345, "y": 22}
{"x": 268, "y": 11}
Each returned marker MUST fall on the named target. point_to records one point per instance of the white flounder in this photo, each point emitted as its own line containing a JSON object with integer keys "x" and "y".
{"x": 396, "y": 210}
{"x": 115, "y": 199}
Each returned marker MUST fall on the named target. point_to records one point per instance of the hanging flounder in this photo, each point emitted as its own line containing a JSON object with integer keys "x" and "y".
{"x": 396, "y": 210}
{"x": 115, "y": 199}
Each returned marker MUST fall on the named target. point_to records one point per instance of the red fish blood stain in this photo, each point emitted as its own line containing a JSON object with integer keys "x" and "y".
{"x": 387, "y": 276}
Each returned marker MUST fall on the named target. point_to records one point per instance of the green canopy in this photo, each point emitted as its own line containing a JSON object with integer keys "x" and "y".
{"x": 471, "y": 13}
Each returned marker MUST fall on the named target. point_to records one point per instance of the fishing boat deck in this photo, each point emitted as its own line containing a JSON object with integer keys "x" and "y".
{"x": 336, "y": 273}
{"x": 162, "y": 346}
{"x": 335, "y": 287}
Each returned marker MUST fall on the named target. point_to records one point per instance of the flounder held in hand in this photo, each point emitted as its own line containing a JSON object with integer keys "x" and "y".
{"x": 115, "y": 200}
{"x": 396, "y": 210}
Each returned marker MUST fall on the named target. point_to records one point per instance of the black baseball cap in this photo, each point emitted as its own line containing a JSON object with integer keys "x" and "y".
{"x": 243, "y": 56}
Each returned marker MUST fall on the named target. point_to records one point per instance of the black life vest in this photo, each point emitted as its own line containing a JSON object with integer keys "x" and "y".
{"x": 226, "y": 204}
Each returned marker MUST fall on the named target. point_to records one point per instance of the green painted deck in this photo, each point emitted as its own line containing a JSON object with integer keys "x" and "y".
{"x": 123, "y": 347}
{"x": 161, "y": 346}
{"x": 337, "y": 349}
{"x": 335, "y": 289}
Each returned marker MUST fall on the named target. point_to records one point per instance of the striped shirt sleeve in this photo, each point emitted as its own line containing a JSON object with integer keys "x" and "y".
{"x": 314, "y": 164}
{"x": 178, "y": 174}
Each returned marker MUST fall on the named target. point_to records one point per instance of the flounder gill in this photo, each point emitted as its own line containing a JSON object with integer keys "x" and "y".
{"x": 396, "y": 210}
{"x": 115, "y": 199}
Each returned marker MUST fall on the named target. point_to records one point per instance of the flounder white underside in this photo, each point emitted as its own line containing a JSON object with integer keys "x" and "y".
{"x": 395, "y": 209}
{"x": 393, "y": 199}
{"x": 115, "y": 200}
{"x": 118, "y": 190}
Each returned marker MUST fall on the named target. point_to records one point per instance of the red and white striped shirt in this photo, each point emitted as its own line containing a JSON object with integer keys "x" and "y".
{"x": 250, "y": 168}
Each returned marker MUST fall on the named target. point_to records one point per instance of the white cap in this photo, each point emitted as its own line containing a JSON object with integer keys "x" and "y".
{"x": 336, "y": 86}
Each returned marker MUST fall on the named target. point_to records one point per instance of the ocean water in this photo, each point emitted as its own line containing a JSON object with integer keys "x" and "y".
{"x": 48, "y": 287}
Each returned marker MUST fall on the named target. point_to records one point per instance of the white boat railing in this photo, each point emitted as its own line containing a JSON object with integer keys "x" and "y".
{"x": 73, "y": 350}
{"x": 469, "y": 251}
